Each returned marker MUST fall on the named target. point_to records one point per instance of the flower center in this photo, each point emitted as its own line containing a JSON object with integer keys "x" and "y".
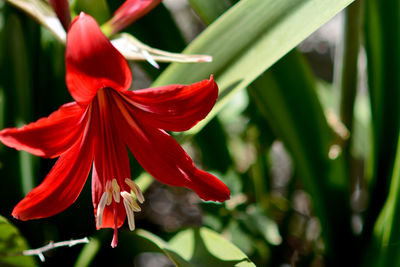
{"x": 113, "y": 192}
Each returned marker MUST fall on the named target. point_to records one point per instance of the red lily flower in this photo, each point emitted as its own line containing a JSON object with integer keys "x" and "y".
{"x": 61, "y": 7}
{"x": 106, "y": 119}
{"x": 129, "y": 12}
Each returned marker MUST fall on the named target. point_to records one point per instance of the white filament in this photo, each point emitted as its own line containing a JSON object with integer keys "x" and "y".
{"x": 100, "y": 208}
{"x": 131, "y": 206}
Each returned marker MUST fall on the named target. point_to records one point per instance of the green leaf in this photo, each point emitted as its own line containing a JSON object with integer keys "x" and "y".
{"x": 204, "y": 247}
{"x": 247, "y": 40}
{"x": 12, "y": 244}
{"x": 164, "y": 247}
{"x": 386, "y": 236}
{"x": 18, "y": 84}
{"x": 382, "y": 42}
{"x": 199, "y": 247}
{"x": 209, "y": 10}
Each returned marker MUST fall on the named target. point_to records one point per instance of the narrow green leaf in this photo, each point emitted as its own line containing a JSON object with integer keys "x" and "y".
{"x": 248, "y": 39}
{"x": 12, "y": 244}
{"x": 384, "y": 250}
{"x": 18, "y": 87}
{"x": 347, "y": 65}
{"x": 209, "y": 10}
{"x": 382, "y": 42}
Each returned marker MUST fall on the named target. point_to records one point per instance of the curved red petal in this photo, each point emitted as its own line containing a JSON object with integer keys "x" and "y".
{"x": 61, "y": 7}
{"x": 51, "y": 136}
{"x": 111, "y": 159}
{"x": 92, "y": 62}
{"x": 174, "y": 107}
{"x": 62, "y": 185}
{"x": 166, "y": 161}
{"x": 129, "y": 12}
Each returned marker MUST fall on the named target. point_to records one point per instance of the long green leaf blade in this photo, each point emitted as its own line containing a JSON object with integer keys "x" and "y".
{"x": 268, "y": 30}
{"x": 386, "y": 234}
{"x": 382, "y": 22}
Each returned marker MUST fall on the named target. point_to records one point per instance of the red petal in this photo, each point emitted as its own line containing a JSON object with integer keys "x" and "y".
{"x": 61, "y": 7}
{"x": 62, "y": 185}
{"x": 166, "y": 161}
{"x": 92, "y": 62}
{"x": 174, "y": 107}
{"x": 110, "y": 158}
{"x": 51, "y": 136}
{"x": 129, "y": 12}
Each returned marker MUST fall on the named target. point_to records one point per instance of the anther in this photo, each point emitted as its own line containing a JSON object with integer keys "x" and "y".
{"x": 109, "y": 193}
{"x": 115, "y": 190}
{"x": 136, "y": 190}
{"x": 130, "y": 205}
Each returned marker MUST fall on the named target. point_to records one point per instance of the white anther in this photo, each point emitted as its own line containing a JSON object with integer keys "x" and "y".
{"x": 136, "y": 190}
{"x": 115, "y": 190}
{"x": 100, "y": 208}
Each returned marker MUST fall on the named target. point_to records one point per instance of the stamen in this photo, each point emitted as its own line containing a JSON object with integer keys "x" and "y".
{"x": 109, "y": 191}
{"x": 130, "y": 215}
{"x": 100, "y": 208}
{"x": 136, "y": 190}
{"x": 115, "y": 190}
{"x": 131, "y": 206}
